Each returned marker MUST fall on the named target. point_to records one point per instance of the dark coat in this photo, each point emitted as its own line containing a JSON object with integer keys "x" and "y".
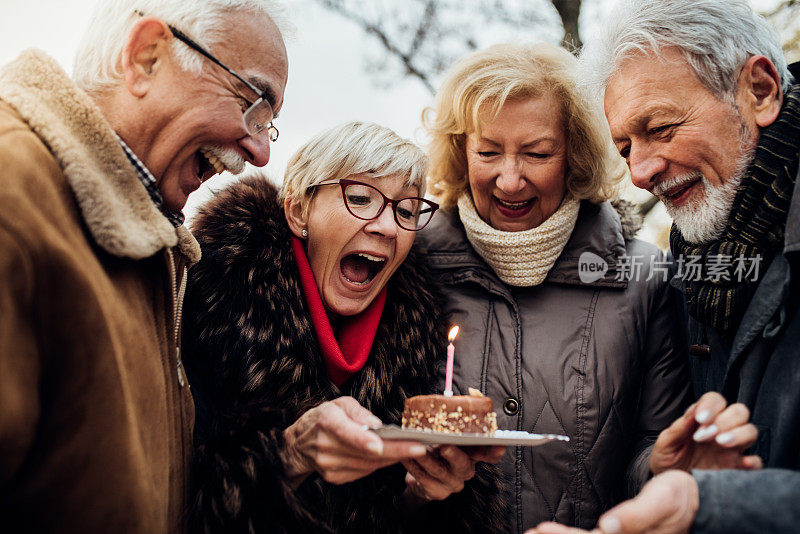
{"x": 255, "y": 367}
{"x": 599, "y": 361}
{"x": 760, "y": 369}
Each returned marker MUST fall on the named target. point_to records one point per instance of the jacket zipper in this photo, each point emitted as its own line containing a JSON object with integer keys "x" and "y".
{"x": 178, "y": 292}
{"x": 488, "y": 287}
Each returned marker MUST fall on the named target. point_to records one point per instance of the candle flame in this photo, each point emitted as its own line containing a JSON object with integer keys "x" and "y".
{"x": 453, "y": 333}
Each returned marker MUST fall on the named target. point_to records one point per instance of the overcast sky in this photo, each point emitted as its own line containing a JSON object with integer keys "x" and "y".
{"x": 327, "y": 84}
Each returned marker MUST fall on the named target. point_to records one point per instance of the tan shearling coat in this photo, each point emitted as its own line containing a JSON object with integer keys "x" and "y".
{"x": 95, "y": 415}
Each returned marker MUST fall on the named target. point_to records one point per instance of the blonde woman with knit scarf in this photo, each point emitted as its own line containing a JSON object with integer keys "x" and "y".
{"x": 566, "y": 319}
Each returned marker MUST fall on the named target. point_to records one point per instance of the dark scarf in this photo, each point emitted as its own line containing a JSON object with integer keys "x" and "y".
{"x": 755, "y": 226}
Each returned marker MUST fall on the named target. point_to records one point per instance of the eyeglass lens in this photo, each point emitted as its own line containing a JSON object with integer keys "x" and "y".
{"x": 258, "y": 118}
{"x": 366, "y": 202}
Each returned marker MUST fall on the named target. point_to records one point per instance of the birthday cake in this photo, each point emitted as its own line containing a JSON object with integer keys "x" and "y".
{"x": 458, "y": 414}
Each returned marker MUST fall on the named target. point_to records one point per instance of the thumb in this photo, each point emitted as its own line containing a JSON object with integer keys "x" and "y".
{"x": 681, "y": 429}
{"x": 350, "y": 431}
{"x": 356, "y": 412}
{"x": 660, "y": 504}
{"x": 628, "y": 517}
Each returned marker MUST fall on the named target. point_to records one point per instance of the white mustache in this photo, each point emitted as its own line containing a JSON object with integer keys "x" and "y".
{"x": 230, "y": 159}
{"x": 666, "y": 185}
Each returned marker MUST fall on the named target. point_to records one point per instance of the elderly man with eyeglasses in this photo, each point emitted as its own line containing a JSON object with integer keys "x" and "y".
{"x": 96, "y": 413}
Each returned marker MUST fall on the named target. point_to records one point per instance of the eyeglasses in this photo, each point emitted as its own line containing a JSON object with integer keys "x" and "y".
{"x": 366, "y": 202}
{"x": 259, "y": 115}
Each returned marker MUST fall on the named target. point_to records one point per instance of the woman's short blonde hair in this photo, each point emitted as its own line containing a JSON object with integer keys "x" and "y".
{"x": 349, "y": 149}
{"x": 484, "y": 81}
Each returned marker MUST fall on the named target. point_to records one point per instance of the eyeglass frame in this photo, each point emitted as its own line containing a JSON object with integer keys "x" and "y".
{"x": 344, "y": 182}
{"x": 272, "y": 130}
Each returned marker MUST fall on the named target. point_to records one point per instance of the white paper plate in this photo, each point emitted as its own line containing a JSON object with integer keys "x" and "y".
{"x": 501, "y": 437}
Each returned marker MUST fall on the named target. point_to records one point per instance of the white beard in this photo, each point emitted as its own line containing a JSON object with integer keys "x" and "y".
{"x": 703, "y": 219}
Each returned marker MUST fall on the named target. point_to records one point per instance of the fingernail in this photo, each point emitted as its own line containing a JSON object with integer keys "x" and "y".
{"x": 724, "y": 438}
{"x": 705, "y": 433}
{"x": 702, "y": 416}
{"x": 417, "y": 450}
{"x": 610, "y": 525}
{"x": 375, "y": 447}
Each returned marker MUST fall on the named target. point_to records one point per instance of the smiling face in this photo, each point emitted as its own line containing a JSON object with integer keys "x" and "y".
{"x": 682, "y": 143}
{"x": 352, "y": 259}
{"x": 517, "y": 166}
{"x": 190, "y": 126}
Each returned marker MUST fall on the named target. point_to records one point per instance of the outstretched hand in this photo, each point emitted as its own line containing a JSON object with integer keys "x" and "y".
{"x": 667, "y": 504}
{"x": 331, "y": 440}
{"x": 709, "y": 435}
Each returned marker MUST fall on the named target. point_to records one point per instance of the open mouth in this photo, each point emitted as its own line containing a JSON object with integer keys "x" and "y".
{"x": 209, "y": 165}
{"x": 514, "y": 209}
{"x": 361, "y": 268}
{"x": 675, "y": 194}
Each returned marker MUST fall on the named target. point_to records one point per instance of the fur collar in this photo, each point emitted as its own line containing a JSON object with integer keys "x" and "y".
{"x": 114, "y": 204}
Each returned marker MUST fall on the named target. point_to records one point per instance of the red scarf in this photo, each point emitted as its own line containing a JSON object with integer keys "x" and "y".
{"x": 346, "y": 352}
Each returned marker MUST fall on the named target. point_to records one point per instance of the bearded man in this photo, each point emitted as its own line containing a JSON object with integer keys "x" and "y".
{"x": 701, "y": 105}
{"x": 95, "y": 411}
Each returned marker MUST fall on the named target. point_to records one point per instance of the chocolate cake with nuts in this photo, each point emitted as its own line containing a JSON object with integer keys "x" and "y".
{"x": 459, "y": 414}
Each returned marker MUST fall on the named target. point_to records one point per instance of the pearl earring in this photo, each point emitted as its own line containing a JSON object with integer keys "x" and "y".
{"x": 304, "y": 233}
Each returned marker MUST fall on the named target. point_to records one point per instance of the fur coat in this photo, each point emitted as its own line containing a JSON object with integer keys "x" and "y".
{"x": 255, "y": 367}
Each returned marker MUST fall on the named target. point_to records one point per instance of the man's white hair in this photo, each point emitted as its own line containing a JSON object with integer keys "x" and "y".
{"x": 716, "y": 37}
{"x": 97, "y": 61}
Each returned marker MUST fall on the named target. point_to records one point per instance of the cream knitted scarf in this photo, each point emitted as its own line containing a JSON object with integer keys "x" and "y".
{"x": 523, "y": 258}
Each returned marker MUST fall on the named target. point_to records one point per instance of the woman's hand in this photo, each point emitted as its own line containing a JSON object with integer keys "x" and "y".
{"x": 443, "y": 471}
{"x": 331, "y": 440}
{"x": 710, "y": 435}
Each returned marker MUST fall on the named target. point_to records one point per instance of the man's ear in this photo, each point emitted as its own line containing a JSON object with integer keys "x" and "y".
{"x": 145, "y": 51}
{"x": 296, "y": 216}
{"x": 760, "y": 92}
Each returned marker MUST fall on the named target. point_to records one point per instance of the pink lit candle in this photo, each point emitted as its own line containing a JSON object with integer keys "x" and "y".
{"x": 451, "y": 351}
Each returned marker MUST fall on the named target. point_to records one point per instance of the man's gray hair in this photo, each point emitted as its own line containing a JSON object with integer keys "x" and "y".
{"x": 97, "y": 66}
{"x": 716, "y": 37}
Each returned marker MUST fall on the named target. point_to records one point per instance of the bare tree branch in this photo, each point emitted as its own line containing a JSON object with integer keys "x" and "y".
{"x": 407, "y": 59}
{"x": 425, "y": 37}
{"x": 424, "y": 28}
{"x": 570, "y": 11}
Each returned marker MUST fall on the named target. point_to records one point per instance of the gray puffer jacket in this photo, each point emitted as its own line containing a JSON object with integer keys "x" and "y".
{"x": 601, "y": 362}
